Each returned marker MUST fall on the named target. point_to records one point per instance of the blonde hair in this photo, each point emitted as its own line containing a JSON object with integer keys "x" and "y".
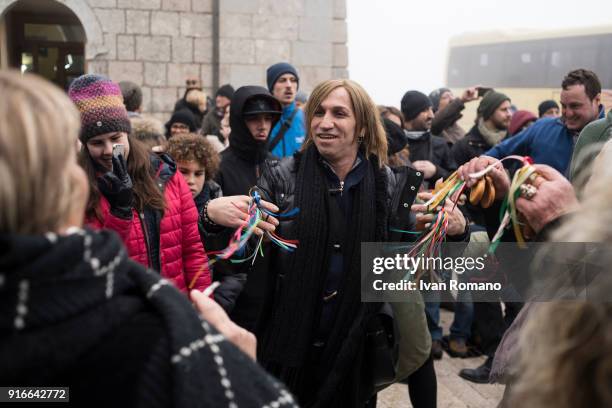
{"x": 197, "y": 98}
{"x": 565, "y": 358}
{"x": 367, "y": 119}
{"x": 386, "y": 111}
{"x": 148, "y": 130}
{"x": 39, "y": 127}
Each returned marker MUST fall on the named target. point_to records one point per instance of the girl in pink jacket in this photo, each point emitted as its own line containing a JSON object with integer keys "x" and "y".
{"x": 138, "y": 195}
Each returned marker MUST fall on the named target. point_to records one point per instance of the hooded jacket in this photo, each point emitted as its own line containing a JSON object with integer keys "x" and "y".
{"x": 241, "y": 162}
{"x": 241, "y": 166}
{"x": 177, "y": 242}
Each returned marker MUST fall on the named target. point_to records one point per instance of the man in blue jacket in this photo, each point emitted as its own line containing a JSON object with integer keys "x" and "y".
{"x": 551, "y": 141}
{"x": 288, "y": 134}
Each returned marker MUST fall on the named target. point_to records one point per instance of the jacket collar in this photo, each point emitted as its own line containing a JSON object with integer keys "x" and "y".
{"x": 288, "y": 110}
{"x": 352, "y": 178}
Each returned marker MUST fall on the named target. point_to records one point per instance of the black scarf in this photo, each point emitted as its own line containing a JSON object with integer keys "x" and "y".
{"x": 286, "y": 345}
{"x": 65, "y": 299}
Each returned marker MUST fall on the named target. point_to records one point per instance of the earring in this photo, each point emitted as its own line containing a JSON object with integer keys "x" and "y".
{"x": 360, "y": 138}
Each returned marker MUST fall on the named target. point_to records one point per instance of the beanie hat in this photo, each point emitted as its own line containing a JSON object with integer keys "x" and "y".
{"x": 182, "y": 116}
{"x": 546, "y": 105}
{"x": 301, "y": 97}
{"x": 490, "y": 102}
{"x": 132, "y": 95}
{"x": 435, "y": 96}
{"x": 519, "y": 119}
{"x": 100, "y": 103}
{"x": 276, "y": 70}
{"x": 226, "y": 90}
{"x": 396, "y": 138}
{"x": 413, "y": 103}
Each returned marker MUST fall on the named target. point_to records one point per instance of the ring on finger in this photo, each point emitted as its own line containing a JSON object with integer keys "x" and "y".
{"x": 527, "y": 191}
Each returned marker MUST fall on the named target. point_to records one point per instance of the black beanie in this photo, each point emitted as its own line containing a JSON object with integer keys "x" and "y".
{"x": 226, "y": 90}
{"x": 276, "y": 70}
{"x": 546, "y": 105}
{"x": 435, "y": 96}
{"x": 490, "y": 102}
{"x": 413, "y": 103}
{"x": 396, "y": 138}
{"x": 182, "y": 116}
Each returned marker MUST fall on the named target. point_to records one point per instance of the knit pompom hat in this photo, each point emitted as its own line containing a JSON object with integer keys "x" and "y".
{"x": 100, "y": 103}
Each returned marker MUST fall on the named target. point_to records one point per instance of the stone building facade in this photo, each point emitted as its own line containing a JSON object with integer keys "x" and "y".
{"x": 158, "y": 43}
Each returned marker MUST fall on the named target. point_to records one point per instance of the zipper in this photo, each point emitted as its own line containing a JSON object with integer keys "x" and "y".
{"x": 146, "y": 237}
{"x": 338, "y": 190}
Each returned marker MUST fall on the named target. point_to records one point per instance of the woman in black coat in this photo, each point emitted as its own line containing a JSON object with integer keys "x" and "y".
{"x": 74, "y": 310}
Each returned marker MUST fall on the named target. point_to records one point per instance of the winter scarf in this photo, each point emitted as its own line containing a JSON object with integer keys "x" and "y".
{"x": 71, "y": 311}
{"x": 297, "y": 312}
{"x": 492, "y": 137}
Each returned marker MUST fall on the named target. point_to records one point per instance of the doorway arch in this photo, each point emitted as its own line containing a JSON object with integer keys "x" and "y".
{"x": 53, "y": 38}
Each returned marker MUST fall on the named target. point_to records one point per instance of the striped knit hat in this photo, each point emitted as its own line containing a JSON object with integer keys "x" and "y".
{"x": 100, "y": 103}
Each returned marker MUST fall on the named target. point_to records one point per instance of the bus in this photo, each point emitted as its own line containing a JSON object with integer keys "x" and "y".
{"x": 528, "y": 66}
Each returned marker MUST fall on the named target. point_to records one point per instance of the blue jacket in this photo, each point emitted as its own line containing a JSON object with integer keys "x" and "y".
{"x": 547, "y": 141}
{"x": 294, "y": 136}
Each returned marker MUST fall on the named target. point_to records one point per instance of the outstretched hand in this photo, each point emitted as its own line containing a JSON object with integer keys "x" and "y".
{"x": 233, "y": 211}
{"x": 215, "y": 315}
{"x": 501, "y": 180}
{"x": 555, "y": 197}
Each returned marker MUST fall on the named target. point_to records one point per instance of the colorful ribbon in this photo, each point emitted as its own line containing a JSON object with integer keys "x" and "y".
{"x": 245, "y": 231}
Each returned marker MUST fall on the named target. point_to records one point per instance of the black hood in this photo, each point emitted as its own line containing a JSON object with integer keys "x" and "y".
{"x": 241, "y": 141}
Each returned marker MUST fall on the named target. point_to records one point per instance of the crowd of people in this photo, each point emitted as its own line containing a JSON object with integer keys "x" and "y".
{"x": 114, "y": 231}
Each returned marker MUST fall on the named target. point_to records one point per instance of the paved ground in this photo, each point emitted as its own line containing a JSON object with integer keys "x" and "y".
{"x": 453, "y": 391}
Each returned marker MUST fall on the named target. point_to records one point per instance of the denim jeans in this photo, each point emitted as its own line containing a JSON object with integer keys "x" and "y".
{"x": 462, "y": 322}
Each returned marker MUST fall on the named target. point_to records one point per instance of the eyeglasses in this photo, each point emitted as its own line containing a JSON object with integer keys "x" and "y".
{"x": 190, "y": 82}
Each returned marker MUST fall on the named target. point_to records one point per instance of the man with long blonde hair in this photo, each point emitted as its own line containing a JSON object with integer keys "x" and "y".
{"x": 312, "y": 331}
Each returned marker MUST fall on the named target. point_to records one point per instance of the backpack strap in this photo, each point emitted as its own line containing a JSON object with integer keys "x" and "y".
{"x": 281, "y": 133}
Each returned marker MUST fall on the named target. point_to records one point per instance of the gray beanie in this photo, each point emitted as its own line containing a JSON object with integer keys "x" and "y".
{"x": 435, "y": 96}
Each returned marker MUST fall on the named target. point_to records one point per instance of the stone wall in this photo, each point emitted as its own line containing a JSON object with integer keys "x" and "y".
{"x": 311, "y": 34}
{"x": 158, "y": 43}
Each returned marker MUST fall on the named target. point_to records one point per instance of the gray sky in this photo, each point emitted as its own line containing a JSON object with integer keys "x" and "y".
{"x": 398, "y": 45}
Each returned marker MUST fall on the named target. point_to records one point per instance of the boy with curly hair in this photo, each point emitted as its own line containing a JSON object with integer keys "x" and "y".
{"x": 198, "y": 162}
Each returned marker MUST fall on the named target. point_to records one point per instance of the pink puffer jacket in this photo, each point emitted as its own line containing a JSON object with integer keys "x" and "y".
{"x": 181, "y": 253}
